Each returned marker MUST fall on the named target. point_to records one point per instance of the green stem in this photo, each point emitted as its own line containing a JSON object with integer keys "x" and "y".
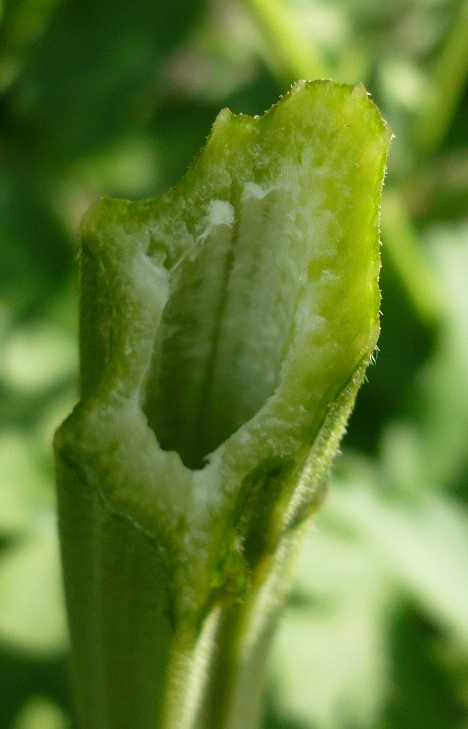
{"x": 298, "y": 58}
{"x": 446, "y": 87}
{"x": 410, "y": 262}
{"x": 234, "y": 694}
{"x": 225, "y": 330}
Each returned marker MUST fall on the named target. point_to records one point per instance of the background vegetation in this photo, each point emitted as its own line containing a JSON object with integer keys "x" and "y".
{"x": 117, "y": 98}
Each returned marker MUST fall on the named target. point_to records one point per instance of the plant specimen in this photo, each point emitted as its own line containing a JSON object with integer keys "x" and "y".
{"x": 225, "y": 329}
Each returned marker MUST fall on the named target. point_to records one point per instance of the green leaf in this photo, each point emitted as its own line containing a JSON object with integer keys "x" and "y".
{"x": 424, "y": 543}
{"x": 225, "y": 329}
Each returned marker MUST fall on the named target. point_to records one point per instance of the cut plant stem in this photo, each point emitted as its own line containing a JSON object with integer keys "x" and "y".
{"x": 225, "y": 329}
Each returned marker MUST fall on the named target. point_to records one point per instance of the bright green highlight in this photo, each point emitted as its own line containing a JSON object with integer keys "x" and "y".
{"x": 225, "y": 330}
{"x": 296, "y": 55}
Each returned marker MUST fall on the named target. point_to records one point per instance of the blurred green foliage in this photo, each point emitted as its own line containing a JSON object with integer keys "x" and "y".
{"x": 117, "y": 98}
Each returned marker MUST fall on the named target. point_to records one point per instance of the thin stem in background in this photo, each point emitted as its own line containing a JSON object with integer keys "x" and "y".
{"x": 411, "y": 264}
{"x": 446, "y": 88}
{"x": 299, "y": 59}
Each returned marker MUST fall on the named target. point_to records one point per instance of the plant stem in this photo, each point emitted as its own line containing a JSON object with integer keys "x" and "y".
{"x": 297, "y": 56}
{"x": 412, "y": 266}
{"x": 234, "y": 694}
{"x": 225, "y": 330}
{"x": 446, "y": 87}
